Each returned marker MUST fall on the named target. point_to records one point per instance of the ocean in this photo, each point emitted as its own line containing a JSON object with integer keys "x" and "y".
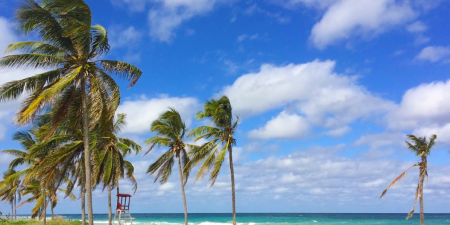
{"x": 275, "y": 218}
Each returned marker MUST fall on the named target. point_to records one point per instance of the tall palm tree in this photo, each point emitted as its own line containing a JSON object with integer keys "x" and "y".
{"x": 422, "y": 148}
{"x": 70, "y": 47}
{"x": 170, "y": 132}
{"x": 219, "y": 112}
{"x": 112, "y": 151}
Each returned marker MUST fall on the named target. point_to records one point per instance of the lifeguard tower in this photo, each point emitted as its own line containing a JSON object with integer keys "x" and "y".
{"x": 122, "y": 214}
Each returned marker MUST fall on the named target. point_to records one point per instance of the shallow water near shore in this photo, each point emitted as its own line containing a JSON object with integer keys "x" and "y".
{"x": 275, "y": 218}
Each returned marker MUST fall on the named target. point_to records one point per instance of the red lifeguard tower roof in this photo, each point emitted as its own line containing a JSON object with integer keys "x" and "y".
{"x": 123, "y": 195}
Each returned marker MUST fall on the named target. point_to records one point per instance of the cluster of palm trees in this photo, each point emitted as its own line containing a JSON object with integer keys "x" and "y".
{"x": 71, "y": 113}
{"x": 70, "y": 108}
{"x": 171, "y": 132}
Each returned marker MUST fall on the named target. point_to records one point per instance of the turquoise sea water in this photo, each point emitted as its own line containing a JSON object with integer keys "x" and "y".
{"x": 275, "y": 219}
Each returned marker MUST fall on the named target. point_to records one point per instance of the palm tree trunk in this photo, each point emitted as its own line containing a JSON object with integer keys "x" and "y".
{"x": 109, "y": 205}
{"x": 53, "y": 214}
{"x": 87, "y": 152}
{"x": 45, "y": 207}
{"x": 233, "y": 198}
{"x": 182, "y": 191}
{"x": 12, "y": 211}
{"x": 83, "y": 207}
{"x": 422, "y": 178}
{"x": 15, "y": 206}
{"x": 83, "y": 194}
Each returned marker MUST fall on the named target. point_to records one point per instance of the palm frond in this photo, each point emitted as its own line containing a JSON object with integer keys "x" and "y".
{"x": 123, "y": 70}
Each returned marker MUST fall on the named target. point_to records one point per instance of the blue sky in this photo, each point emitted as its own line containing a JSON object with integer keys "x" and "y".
{"x": 326, "y": 92}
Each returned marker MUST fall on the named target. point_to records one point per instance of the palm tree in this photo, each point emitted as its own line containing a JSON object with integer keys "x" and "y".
{"x": 42, "y": 197}
{"x": 170, "y": 130}
{"x": 70, "y": 47}
{"x": 422, "y": 148}
{"x": 9, "y": 191}
{"x": 219, "y": 112}
{"x": 112, "y": 151}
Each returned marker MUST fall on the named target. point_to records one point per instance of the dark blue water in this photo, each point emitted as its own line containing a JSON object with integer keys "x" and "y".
{"x": 276, "y": 218}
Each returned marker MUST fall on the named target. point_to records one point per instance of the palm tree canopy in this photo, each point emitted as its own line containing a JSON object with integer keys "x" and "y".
{"x": 421, "y": 146}
{"x": 70, "y": 48}
{"x": 111, "y": 152}
{"x": 170, "y": 132}
{"x": 213, "y": 152}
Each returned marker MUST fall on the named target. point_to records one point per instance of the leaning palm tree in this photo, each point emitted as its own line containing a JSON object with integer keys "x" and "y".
{"x": 70, "y": 47}
{"x": 111, "y": 152}
{"x": 219, "y": 112}
{"x": 170, "y": 132}
{"x": 422, "y": 148}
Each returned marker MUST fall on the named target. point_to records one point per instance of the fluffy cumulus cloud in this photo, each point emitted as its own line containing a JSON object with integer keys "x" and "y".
{"x": 424, "y": 109}
{"x": 347, "y": 18}
{"x": 312, "y": 89}
{"x": 143, "y": 111}
{"x": 285, "y": 125}
{"x": 434, "y": 53}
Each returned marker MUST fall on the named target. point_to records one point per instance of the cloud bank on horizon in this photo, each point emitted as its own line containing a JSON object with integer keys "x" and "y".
{"x": 326, "y": 92}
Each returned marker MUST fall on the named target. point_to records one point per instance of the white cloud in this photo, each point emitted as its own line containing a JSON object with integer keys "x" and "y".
{"x": 376, "y": 141}
{"x": 324, "y": 98}
{"x": 120, "y": 37}
{"x": 255, "y": 9}
{"x": 143, "y": 111}
{"x": 285, "y": 125}
{"x": 442, "y": 132}
{"x": 347, "y": 18}
{"x": 434, "y": 53}
{"x": 170, "y": 14}
{"x": 426, "y": 104}
{"x": 165, "y": 16}
{"x": 244, "y": 37}
{"x": 322, "y": 4}
{"x": 338, "y": 132}
{"x": 7, "y": 37}
{"x": 424, "y": 110}
{"x": 417, "y": 27}
{"x": 7, "y": 109}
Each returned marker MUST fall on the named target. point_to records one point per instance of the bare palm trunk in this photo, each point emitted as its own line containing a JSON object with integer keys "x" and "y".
{"x": 53, "y": 214}
{"x": 15, "y": 206}
{"x": 12, "y": 211}
{"x": 45, "y": 207}
{"x": 422, "y": 178}
{"x": 83, "y": 207}
{"x": 182, "y": 191}
{"x": 83, "y": 197}
{"x": 87, "y": 152}
{"x": 109, "y": 205}
{"x": 233, "y": 198}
